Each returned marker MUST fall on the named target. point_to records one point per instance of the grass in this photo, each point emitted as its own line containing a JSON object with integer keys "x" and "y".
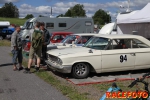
{"x": 121, "y": 84}
{"x": 66, "y": 89}
{"x": 5, "y": 43}
{"x": 14, "y": 20}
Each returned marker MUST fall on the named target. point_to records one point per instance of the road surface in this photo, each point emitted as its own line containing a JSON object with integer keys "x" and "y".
{"x": 15, "y": 85}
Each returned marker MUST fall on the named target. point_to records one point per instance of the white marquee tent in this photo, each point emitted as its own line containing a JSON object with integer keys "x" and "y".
{"x": 139, "y": 16}
{"x": 138, "y": 21}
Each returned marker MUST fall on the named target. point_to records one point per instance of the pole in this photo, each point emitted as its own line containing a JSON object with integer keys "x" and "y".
{"x": 51, "y": 11}
{"x": 128, "y": 5}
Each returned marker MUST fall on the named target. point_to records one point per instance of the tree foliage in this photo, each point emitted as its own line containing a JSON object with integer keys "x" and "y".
{"x": 29, "y": 16}
{"x": 101, "y": 17}
{"x": 9, "y": 10}
{"x": 41, "y": 16}
{"x": 76, "y": 11}
{"x": 61, "y": 15}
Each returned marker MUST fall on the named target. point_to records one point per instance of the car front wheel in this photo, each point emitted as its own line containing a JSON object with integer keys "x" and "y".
{"x": 80, "y": 70}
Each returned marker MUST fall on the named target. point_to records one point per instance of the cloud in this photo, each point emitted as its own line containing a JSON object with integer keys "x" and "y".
{"x": 91, "y": 8}
{"x": 61, "y": 0}
{"x": 7, "y": 1}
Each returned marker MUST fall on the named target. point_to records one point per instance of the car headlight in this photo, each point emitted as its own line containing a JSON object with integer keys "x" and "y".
{"x": 60, "y": 61}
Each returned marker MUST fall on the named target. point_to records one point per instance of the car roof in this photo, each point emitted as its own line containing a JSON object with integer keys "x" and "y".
{"x": 125, "y": 36}
{"x": 121, "y": 36}
{"x": 62, "y": 33}
{"x": 85, "y": 34}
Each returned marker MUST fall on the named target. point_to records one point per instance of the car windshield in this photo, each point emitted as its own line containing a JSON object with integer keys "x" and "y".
{"x": 25, "y": 24}
{"x": 29, "y": 25}
{"x": 70, "y": 38}
{"x": 98, "y": 43}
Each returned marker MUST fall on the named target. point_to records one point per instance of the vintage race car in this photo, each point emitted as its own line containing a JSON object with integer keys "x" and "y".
{"x": 72, "y": 40}
{"x": 102, "y": 53}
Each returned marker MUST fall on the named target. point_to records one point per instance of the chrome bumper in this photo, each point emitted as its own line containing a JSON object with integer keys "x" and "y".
{"x": 59, "y": 68}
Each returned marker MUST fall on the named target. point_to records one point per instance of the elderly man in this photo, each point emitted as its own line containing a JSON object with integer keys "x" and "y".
{"x": 16, "y": 48}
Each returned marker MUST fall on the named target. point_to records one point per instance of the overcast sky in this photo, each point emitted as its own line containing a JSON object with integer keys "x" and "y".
{"x": 42, "y": 7}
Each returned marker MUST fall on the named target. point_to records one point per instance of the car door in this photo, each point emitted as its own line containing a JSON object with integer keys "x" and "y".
{"x": 142, "y": 52}
{"x": 117, "y": 57}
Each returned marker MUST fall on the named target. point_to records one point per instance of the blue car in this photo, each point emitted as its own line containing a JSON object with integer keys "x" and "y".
{"x": 6, "y": 32}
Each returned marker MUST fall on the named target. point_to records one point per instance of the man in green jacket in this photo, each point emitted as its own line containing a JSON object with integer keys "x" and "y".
{"x": 36, "y": 47}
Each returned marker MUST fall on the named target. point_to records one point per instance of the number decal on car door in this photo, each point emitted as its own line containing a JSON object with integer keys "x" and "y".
{"x": 123, "y": 58}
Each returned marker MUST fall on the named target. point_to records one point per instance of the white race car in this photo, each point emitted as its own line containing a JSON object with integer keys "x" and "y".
{"x": 102, "y": 53}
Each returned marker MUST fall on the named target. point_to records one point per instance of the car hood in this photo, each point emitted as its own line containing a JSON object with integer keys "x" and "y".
{"x": 66, "y": 51}
{"x": 55, "y": 44}
{"x": 62, "y": 45}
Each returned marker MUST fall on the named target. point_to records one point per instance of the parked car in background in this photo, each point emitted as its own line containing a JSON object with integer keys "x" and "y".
{"x": 5, "y": 30}
{"x": 72, "y": 40}
{"x": 6, "y": 33}
{"x": 27, "y": 45}
{"x": 59, "y": 36}
{"x": 102, "y": 53}
{"x": 56, "y": 37}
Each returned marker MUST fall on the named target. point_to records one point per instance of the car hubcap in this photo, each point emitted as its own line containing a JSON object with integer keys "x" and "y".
{"x": 80, "y": 69}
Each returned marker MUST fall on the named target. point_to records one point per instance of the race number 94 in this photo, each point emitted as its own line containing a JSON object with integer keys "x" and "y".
{"x": 123, "y": 58}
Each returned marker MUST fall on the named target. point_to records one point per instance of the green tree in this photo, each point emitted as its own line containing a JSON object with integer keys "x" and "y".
{"x": 61, "y": 15}
{"x": 29, "y": 16}
{"x": 9, "y": 10}
{"x": 41, "y": 16}
{"x": 76, "y": 11}
{"x": 101, "y": 17}
{"x": 68, "y": 13}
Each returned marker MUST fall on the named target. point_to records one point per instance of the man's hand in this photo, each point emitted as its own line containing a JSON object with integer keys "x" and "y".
{"x": 15, "y": 48}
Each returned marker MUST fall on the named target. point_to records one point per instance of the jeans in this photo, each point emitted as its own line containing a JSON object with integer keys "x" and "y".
{"x": 17, "y": 54}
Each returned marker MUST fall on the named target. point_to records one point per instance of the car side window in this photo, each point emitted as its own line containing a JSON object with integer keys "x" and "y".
{"x": 56, "y": 37}
{"x": 120, "y": 44}
{"x": 84, "y": 39}
{"x": 138, "y": 44}
{"x": 62, "y": 37}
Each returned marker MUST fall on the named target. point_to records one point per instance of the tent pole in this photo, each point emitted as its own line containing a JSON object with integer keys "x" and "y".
{"x": 128, "y": 5}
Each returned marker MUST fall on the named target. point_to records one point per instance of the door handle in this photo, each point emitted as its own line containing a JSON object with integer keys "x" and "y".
{"x": 132, "y": 54}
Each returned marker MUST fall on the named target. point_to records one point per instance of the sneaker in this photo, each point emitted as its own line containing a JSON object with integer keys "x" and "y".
{"x": 35, "y": 66}
{"x": 20, "y": 68}
{"x": 37, "y": 69}
{"x": 27, "y": 71}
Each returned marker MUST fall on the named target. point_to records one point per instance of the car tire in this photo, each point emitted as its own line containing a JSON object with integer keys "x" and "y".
{"x": 80, "y": 70}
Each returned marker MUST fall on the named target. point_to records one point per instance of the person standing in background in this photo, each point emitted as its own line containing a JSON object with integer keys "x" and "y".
{"x": 46, "y": 39}
{"x": 36, "y": 47}
{"x": 16, "y": 48}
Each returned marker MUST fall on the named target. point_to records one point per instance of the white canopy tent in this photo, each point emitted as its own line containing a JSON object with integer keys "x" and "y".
{"x": 139, "y": 16}
{"x": 136, "y": 21}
